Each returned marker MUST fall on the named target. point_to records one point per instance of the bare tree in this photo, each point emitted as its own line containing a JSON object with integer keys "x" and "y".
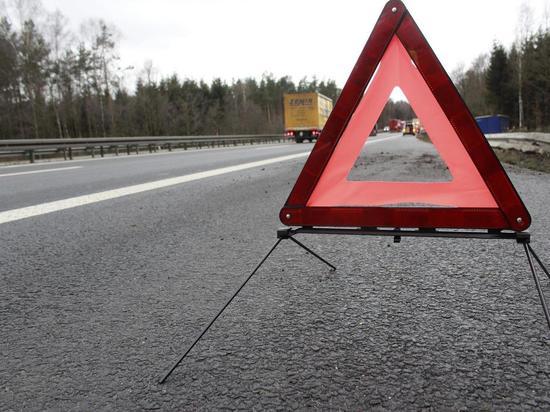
{"x": 58, "y": 38}
{"x": 101, "y": 38}
{"x": 524, "y": 30}
{"x": 457, "y": 75}
{"x": 21, "y": 11}
{"x": 149, "y": 73}
{"x": 546, "y": 15}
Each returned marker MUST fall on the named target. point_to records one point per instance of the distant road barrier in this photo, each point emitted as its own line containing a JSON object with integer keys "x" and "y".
{"x": 524, "y": 142}
{"x": 529, "y": 142}
{"x": 32, "y": 149}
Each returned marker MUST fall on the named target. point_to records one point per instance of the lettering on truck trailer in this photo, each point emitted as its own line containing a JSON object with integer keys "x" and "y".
{"x": 301, "y": 102}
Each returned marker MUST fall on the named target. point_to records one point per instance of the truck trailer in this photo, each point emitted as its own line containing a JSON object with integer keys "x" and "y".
{"x": 497, "y": 123}
{"x": 396, "y": 125}
{"x": 305, "y": 115}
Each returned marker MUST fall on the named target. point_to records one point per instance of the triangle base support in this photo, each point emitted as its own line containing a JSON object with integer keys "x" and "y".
{"x": 520, "y": 237}
{"x": 531, "y": 253}
{"x": 523, "y": 238}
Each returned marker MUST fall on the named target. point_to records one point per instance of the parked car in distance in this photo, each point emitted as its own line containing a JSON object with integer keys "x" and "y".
{"x": 374, "y": 131}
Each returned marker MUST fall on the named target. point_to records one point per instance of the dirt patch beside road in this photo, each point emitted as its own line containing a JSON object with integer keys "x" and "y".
{"x": 534, "y": 161}
{"x": 526, "y": 160}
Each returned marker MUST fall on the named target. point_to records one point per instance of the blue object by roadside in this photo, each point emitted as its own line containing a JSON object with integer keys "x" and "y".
{"x": 493, "y": 124}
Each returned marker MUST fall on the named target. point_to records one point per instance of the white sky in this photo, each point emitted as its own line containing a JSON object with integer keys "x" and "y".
{"x": 203, "y": 39}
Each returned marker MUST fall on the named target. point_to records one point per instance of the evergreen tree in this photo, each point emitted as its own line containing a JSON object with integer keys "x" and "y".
{"x": 498, "y": 80}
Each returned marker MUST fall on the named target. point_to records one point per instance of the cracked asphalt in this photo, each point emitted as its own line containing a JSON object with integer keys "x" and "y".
{"x": 96, "y": 302}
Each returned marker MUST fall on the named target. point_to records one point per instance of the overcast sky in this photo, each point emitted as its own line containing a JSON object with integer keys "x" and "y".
{"x": 231, "y": 39}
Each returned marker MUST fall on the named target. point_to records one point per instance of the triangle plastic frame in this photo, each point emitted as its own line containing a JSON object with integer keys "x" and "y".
{"x": 510, "y": 213}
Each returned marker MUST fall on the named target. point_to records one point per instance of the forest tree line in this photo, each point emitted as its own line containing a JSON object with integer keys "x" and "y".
{"x": 55, "y": 83}
{"x": 51, "y": 87}
{"x": 514, "y": 80}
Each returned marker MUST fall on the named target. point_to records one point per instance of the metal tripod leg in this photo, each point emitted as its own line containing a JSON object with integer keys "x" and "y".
{"x": 528, "y": 251}
{"x": 219, "y": 313}
{"x": 539, "y": 261}
{"x": 332, "y": 267}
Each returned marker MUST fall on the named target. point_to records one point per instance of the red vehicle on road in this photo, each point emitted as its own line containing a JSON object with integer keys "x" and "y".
{"x": 396, "y": 125}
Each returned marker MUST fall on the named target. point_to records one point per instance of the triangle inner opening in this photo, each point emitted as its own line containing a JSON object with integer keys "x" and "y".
{"x": 466, "y": 189}
{"x": 398, "y": 149}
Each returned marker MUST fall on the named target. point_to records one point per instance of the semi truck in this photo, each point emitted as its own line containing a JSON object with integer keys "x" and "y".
{"x": 305, "y": 115}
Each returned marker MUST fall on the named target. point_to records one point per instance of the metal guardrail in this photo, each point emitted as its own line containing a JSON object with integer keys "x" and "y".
{"x": 32, "y": 149}
{"x": 68, "y": 148}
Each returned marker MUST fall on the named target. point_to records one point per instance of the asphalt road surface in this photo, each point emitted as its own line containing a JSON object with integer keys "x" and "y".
{"x": 99, "y": 296}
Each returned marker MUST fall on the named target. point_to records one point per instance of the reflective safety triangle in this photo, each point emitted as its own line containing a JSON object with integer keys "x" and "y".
{"x": 479, "y": 196}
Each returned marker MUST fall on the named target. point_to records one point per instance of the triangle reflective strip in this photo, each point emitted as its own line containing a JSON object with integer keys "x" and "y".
{"x": 467, "y": 188}
{"x": 478, "y": 197}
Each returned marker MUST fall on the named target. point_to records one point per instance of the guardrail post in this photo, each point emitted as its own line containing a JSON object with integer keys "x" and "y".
{"x": 150, "y": 148}
{"x": 137, "y": 149}
{"x": 31, "y": 156}
{"x": 116, "y": 150}
{"x": 70, "y": 153}
{"x": 169, "y": 147}
{"x": 101, "y": 151}
{"x": 65, "y": 154}
{"x": 93, "y": 152}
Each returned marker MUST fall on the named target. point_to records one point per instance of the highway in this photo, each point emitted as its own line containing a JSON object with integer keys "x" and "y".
{"x": 109, "y": 268}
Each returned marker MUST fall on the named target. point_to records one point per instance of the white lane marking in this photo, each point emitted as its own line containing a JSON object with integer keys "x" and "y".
{"x": 40, "y": 171}
{"x": 382, "y": 139}
{"x": 44, "y": 208}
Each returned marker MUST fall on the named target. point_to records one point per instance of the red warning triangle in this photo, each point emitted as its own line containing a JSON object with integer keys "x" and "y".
{"x": 480, "y": 194}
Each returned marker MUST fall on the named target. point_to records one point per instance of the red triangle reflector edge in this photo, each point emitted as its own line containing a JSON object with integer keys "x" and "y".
{"x": 510, "y": 213}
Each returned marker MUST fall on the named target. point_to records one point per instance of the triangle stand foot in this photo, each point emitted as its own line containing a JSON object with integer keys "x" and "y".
{"x": 531, "y": 253}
